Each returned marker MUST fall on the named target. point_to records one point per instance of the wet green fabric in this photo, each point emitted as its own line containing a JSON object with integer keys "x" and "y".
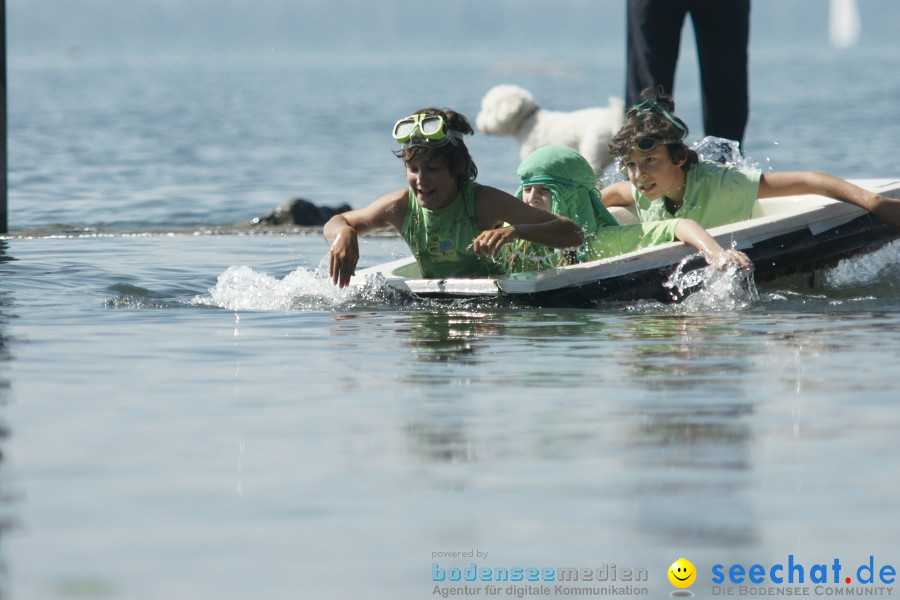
{"x": 621, "y": 239}
{"x": 441, "y": 240}
{"x": 714, "y": 194}
{"x": 572, "y": 185}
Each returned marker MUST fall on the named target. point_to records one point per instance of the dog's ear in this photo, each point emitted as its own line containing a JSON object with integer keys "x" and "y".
{"x": 512, "y": 105}
{"x": 515, "y": 104}
{"x": 503, "y": 108}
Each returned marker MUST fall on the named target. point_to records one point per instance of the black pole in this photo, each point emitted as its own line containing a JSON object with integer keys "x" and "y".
{"x": 3, "y": 145}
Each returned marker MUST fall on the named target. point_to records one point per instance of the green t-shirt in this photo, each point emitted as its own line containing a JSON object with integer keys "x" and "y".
{"x": 621, "y": 239}
{"x": 441, "y": 240}
{"x": 715, "y": 194}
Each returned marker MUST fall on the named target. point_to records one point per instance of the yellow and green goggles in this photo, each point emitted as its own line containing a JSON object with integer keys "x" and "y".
{"x": 424, "y": 130}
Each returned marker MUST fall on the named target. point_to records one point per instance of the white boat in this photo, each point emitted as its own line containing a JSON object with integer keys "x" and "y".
{"x": 786, "y": 236}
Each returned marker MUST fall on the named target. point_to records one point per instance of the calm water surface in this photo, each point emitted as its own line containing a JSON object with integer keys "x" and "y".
{"x": 161, "y": 446}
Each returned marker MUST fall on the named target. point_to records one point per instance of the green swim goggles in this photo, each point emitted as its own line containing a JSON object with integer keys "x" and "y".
{"x": 424, "y": 130}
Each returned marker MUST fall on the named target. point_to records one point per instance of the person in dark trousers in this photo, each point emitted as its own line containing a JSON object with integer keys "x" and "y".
{"x": 722, "y": 31}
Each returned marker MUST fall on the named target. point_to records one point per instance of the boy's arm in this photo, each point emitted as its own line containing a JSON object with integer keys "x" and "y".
{"x": 617, "y": 194}
{"x": 773, "y": 185}
{"x": 691, "y": 233}
{"x": 342, "y": 232}
{"x": 494, "y": 207}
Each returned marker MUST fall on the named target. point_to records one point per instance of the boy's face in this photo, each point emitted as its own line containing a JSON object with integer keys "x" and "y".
{"x": 538, "y": 196}
{"x": 431, "y": 181}
{"x": 654, "y": 174}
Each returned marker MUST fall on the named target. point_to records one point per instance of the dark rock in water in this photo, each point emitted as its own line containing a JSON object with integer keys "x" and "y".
{"x": 300, "y": 212}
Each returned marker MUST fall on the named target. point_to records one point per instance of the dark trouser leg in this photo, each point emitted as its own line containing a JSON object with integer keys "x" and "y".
{"x": 654, "y": 32}
{"x": 722, "y": 28}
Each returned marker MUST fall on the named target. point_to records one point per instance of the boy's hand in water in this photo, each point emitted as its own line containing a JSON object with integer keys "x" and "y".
{"x": 342, "y": 257}
{"x": 730, "y": 257}
{"x": 690, "y": 232}
{"x": 491, "y": 240}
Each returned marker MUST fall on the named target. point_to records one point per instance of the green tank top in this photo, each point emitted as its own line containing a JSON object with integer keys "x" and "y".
{"x": 441, "y": 239}
{"x": 714, "y": 194}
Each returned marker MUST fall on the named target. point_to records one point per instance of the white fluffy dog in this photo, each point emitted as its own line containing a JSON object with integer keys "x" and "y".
{"x": 511, "y": 110}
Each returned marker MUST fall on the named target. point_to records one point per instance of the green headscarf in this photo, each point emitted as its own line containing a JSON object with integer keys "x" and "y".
{"x": 572, "y": 185}
{"x": 574, "y": 194}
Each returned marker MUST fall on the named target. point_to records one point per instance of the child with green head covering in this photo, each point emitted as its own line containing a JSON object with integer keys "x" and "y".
{"x": 570, "y": 180}
{"x": 558, "y": 179}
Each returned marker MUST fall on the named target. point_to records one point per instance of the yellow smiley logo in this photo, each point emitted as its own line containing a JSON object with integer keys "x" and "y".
{"x": 682, "y": 573}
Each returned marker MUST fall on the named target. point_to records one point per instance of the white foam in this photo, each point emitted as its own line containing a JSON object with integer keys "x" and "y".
{"x": 721, "y": 150}
{"x": 242, "y": 288}
{"x": 867, "y": 269}
{"x": 721, "y": 287}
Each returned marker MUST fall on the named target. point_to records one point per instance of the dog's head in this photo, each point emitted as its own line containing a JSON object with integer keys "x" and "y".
{"x": 503, "y": 109}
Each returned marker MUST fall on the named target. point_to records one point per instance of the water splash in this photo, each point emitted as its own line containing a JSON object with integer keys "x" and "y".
{"x": 880, "y": 267}
{"x": 722, "y": 286}
{"x": 856, "y": 282}
{"x": 727, "y": 152}
{"x": 242, "y": 288}
{"x": 613, "y": 173}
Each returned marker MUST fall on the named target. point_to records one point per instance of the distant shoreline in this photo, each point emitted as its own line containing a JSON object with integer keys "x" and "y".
{"x": 69, "y": 232}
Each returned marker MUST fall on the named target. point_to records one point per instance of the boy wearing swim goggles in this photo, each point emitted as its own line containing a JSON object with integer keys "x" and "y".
{"x": 666, "y": 179}
{"x": 453, "y": 225}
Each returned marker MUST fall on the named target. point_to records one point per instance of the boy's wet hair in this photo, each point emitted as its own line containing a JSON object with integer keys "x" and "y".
{"x": 654, "y": 118}
{"x": 455, "y": 155}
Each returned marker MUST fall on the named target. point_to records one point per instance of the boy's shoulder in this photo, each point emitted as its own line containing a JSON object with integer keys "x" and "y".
{"x": 707, "y": 169}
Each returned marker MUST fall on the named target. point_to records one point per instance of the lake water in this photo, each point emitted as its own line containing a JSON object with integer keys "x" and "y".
{"x": 187, "y": 414}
